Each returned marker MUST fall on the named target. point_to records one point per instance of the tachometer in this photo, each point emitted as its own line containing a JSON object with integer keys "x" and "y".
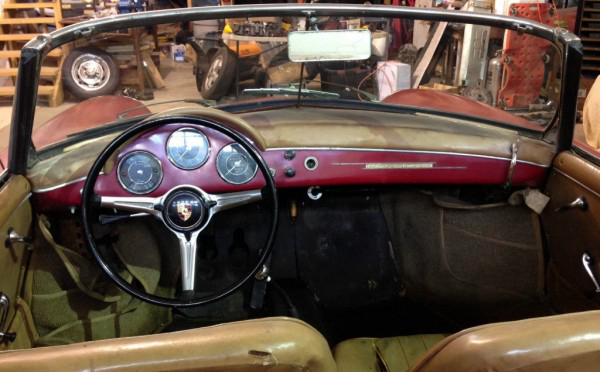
{"x": 235, "y": 165}
{"x": 188, "y": 148}
{"x": 140, "y": 172}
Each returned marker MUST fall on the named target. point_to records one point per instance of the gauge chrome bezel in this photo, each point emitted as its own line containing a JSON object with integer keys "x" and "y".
{"x": 132, "y": 153}
{"x": 174, "y": 162}
{"x": 223, "y": 177}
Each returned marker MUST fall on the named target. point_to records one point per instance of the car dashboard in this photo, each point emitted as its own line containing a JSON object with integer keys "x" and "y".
{"x": 303, "y": 148}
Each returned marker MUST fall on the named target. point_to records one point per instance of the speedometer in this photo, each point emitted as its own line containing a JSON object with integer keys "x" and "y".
{"x": 187, "y": 148}
{"x": 140, "y": 172}
{"x": 235, "y": 165}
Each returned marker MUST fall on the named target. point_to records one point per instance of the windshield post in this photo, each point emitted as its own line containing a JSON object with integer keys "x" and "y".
{"x": 24, "y": 104}
{"x": 573, "y": 55}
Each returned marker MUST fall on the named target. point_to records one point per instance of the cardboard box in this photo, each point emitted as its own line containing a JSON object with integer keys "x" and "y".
{"x": 392, "y": 76}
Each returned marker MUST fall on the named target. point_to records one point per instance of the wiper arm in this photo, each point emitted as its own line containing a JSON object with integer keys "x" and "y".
{"x": 290, "y": 91}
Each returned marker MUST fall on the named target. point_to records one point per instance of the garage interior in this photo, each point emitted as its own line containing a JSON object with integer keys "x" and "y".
{"x": 442, "y": 257}
{"x": 161, "y": 64}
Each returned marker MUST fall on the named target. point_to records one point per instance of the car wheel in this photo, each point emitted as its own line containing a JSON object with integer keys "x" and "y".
{"x": 261, "y": 78}
{"x": 221, "y": 71}
{"x": 90, "y": 72}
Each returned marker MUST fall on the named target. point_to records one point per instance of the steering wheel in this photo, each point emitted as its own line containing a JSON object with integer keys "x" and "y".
{"x": 200, "y": 205}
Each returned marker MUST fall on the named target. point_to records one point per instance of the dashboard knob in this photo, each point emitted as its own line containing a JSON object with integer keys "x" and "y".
{"x": 289, "y": 154}
{"x": 290, "y": 172}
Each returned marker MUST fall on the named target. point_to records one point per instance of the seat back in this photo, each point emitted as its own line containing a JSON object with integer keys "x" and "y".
{"x": 273, "y": 344}
{"x": 569, "y": 342}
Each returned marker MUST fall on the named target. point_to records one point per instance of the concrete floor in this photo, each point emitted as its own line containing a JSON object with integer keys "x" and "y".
{"x": 178, "y": 76}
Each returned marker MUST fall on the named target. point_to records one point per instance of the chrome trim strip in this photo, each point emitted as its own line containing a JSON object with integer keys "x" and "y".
{"x": 403, "y": 151}
{"x": 342, "y": 149}
{"x": 399, "y": 166}
{"x": 577, "y": 182}
{"x": 51, "y": 188}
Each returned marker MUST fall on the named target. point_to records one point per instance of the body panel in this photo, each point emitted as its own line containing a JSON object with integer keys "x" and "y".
{"x": 442, "y": 101}
{"x": 572, "y": 232}
{"x": 16, "y": 214}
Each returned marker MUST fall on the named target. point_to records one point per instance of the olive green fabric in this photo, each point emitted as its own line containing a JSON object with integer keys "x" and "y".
{"x": 392, "y": 354}
{"x": 73, "y": 300}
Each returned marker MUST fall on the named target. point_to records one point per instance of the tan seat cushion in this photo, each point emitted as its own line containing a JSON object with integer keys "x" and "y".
{"x": 271, "y": 344}
{"x": 382, "y": 354}
{"x": 569, "y": 342}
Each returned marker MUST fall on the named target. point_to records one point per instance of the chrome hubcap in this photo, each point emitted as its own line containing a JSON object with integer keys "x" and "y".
{"x": 90, "y": 72}
{"x": 213, "y": 72}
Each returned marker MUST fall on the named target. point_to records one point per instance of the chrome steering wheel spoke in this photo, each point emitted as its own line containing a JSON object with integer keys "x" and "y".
{"x": 193, "y": 204}
{"x": 186, "y": 210}
{"x": 136, "y": 204}
{"x": 230, "y": 200}
{"x": 188, "y": 247}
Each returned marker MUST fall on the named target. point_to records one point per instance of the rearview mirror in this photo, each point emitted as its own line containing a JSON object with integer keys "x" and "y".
{"x": 332, "y": 45}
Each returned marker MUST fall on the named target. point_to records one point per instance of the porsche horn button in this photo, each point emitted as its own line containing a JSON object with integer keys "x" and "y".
{"x": 185, "y": 210}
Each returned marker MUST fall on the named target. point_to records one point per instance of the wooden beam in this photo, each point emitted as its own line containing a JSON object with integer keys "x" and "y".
{"x": 19, "y": 37}
{"x": 429, "y": 49}
{"x": 27, "y": 21}
{"x": 428, "y": 53}
{"x": 46, "y": 71}
{"x": 27, "y": 5}
{"x": 43, "y": 90}
{"x": 153, "y": 72}
{"x": 17, "y": 53}
{"x": 138, "y": 59}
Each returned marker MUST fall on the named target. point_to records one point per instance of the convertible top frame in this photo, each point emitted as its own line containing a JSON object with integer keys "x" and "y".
{"x": 35, "y": 50}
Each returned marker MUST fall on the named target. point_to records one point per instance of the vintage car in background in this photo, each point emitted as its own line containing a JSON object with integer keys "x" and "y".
{"x": 296, "y": 228}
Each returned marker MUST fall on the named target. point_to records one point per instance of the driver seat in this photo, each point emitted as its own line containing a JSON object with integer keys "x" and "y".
{"x": 568, "y": 342}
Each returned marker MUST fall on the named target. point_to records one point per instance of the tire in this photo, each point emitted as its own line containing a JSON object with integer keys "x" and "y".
{"x": 261, "y": 78}
{"x": 219, "y": 75}
{"x": 90, "y": 72}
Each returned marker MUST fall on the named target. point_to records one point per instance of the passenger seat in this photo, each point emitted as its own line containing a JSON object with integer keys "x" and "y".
{"x": 568, "y": 342}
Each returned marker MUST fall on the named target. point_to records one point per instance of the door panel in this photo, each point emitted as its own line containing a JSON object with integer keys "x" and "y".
{"x": 572, "y": 232}
{"x": 15, "y": 213}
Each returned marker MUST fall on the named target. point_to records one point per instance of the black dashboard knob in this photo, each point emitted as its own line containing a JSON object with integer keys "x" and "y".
{"x": 289, "y": 154}
{"x": 290, "y": 172}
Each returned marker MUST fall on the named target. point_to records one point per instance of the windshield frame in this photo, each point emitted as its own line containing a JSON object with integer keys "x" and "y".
{"x": 34, "y": 51}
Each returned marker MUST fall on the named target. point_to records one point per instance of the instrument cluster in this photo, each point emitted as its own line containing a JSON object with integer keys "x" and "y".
{"x": 141, "y": 172}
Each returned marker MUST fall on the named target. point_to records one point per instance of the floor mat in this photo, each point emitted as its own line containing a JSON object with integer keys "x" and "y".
{"x": 73, "y": 301}
{"x": 473, "y": 266}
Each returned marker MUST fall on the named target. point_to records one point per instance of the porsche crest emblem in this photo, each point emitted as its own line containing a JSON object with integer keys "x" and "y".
{"x": 184, "y": 211}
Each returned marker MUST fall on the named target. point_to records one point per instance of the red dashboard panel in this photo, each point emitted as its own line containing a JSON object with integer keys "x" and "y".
{"x": 335, "y": 167}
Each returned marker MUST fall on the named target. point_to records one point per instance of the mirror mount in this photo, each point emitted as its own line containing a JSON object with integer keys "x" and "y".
{"x": 312, "y": 23}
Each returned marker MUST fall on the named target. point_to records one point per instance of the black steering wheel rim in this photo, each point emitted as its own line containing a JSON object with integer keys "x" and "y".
{"x": 87, "y": 200}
